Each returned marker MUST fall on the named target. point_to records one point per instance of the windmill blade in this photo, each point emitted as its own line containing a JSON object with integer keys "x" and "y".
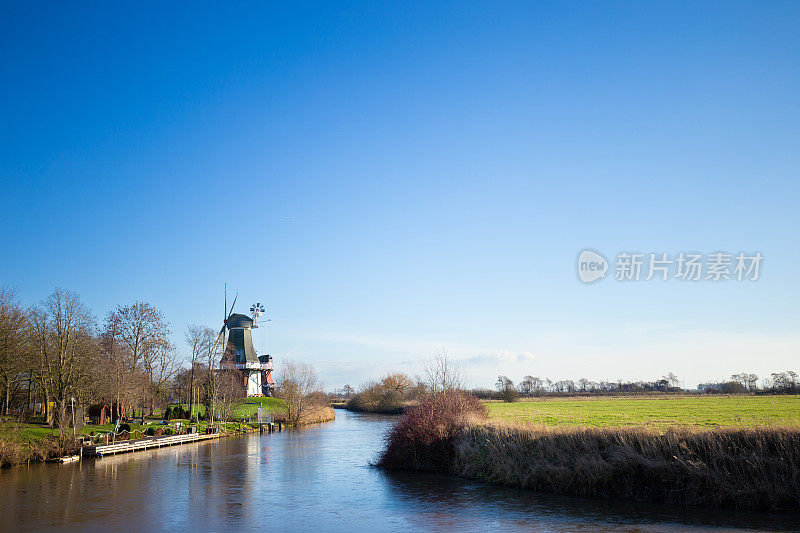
{"x": 233, "y": 304}
{"x": 219, "y": 336}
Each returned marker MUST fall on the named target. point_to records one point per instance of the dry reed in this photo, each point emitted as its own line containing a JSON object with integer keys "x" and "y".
{"x": 756, "y": 468}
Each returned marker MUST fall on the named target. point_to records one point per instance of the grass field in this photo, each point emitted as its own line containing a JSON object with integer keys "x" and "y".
{"x": 681, "y": 411}
{"x": 249, "y": 406}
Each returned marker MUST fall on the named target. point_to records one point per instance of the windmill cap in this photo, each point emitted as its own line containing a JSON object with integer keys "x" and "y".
{"x": 239, "y": 321}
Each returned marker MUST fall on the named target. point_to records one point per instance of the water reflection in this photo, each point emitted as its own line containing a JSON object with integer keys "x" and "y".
{"x": 316, "y": 478}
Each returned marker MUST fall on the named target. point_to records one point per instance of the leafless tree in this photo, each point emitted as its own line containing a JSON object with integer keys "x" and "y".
{"x": 163, "y": 368}
{"x": 506, "y": 389}
{"x": 300, "y": 387}
{"x": 228, "y": 390}
{"x": 398, "y": 381}
{"x": 122, "y": 378}
{"x": 14, "y": 361}
{"x": 672, "y": 379}
{"x": 63, "y": 332}
{"x": 200, "y": 340}
{"x": 440, "y": 374}
{"x": 214, "y": 349}
{"x": 143, "y": 332}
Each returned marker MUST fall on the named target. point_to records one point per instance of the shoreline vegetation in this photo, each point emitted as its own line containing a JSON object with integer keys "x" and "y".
{"x": 22, "y": 443}
{"x": 741, "y": 466}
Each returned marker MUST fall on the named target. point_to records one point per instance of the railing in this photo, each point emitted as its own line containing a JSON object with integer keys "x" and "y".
{"x": 143, "y": 444}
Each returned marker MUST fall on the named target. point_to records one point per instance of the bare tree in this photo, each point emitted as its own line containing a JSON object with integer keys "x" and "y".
{"x": 121, "y": 376}
{"x": 672, "y": 379}
{"x": 398, "y": 381}
{"x": 63, "y": 330}
{"x": 200, "y": 340}
{"x": 143, "y": 331}
{"x": 13, "y": 347}
{"x": 214, "y": 350}
{"x": 506, "y": 388}
{"x": 163, "y": 367}
{"x": 441, "y": 374}
{"x": 526, "y": 386}
{"x": 301, "y": 389}
{"x": 228, "y": 390}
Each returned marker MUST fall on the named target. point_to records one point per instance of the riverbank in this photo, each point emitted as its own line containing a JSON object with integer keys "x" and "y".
{"x": 741, "y": 468}
{"x": 752, "y": 468}
{"x": 23, "y": 442}
{"x": 375, "y": 409}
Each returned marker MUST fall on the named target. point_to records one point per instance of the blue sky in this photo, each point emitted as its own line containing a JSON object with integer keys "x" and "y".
{"x": 393, "y": 179}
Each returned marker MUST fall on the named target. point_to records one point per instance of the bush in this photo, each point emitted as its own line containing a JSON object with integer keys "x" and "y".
{"x": 125, "y": 427}
{"x": 389, "y": 395}
{"x": 424, "y": 438}
{"x": 509, "y": 395}
{"x": 168, "y": 413}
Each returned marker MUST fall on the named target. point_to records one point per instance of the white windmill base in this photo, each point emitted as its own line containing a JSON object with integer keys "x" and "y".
{"x": 252, "y": 376}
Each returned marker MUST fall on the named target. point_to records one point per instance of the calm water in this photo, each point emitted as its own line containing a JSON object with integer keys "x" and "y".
{"x": 316, "y": 479}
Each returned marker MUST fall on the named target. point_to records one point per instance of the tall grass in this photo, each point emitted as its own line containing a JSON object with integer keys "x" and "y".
{"x": 316, "y": 416}
{"x": 15, "y": 452}
{"x": 742, "y": 468}
{"x": 753, "y": 468}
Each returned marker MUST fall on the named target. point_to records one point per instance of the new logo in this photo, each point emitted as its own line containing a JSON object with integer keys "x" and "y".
{"x": 591, "y": 266}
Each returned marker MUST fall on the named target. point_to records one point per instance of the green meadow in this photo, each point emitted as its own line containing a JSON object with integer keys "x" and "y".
{"x": 659, "y": 412}
{"x": 248, "y": 407}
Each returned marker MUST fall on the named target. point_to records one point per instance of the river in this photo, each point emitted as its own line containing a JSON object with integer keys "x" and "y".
{"x": 313, "y": 479}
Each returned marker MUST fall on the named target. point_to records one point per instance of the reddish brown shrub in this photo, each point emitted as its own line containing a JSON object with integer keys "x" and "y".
{"x": 424, "y": 438}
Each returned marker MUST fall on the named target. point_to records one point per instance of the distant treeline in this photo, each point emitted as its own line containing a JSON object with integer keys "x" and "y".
{"x": 505, "y": 389}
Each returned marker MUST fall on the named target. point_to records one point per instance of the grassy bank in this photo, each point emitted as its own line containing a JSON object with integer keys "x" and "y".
{"x": 248, "y": 407}
{"x": 26, "y": 442}
{"x": 660, "y": 412}
{"x": 743, "y": 468}
{"x": 277, "y": 407}
{"x": 19, "y": 445}
{"x": 675, "y": 452}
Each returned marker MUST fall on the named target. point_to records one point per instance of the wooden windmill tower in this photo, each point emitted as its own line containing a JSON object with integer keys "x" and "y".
{"x": 239, "y": 353}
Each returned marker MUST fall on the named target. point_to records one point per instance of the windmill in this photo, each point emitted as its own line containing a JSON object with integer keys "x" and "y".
{"x": 257, "y": 310}
{"x": 239, "y": 352}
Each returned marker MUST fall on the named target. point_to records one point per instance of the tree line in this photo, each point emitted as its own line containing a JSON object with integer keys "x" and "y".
{"x": 745, "y": 382}
{"x": 55, "y": 355}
